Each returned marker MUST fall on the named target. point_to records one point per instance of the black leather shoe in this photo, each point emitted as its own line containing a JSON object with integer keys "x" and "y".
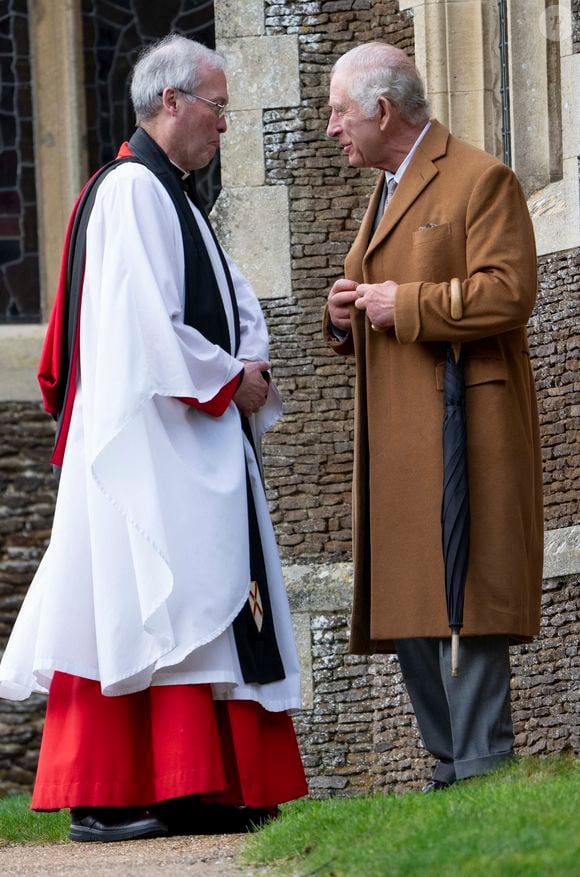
{"x": 113, "y": 824}
{"x": 188, "y": 816}
{"x": 253, "y": 818}
{"x": 435, "y": 786}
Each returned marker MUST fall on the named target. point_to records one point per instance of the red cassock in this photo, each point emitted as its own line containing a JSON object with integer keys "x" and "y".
{"x": 167, "y": 741}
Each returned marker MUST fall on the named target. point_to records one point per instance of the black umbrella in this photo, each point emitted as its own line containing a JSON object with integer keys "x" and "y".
{"x": 455, "y": 503}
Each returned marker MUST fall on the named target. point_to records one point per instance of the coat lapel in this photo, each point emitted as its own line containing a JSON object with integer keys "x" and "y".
{"x": 417, "y": 176}
{"x": 360, "y": 244}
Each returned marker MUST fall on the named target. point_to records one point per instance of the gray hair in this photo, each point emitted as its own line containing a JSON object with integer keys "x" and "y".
{"x": 174, "y": 62}
{"x": 380, "y": 70}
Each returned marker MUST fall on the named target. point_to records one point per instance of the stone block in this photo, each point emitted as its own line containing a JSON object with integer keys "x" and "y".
{"x": 252, "y": 224}
{"x": 562, "y": 552}
{"x": 318, "y": 587}
{"x": 20, "y": 348}
{"x": 571, "y": 106}
{"x": 555, "y": 211}
{"x": 242, "y": 150}
{"x": 262, "y": 72}
{"x": 235, "y": 19}
{"x": 301, "y": 623}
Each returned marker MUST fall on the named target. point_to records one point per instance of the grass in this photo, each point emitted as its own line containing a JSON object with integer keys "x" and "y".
{"x": 521, "y": 820}
{"x": 19, "y": 825}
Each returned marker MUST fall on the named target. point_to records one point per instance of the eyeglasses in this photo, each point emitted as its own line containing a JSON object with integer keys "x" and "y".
{"x": 219, "y": 109}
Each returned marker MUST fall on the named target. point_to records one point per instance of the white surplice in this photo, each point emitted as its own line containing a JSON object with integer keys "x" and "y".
{"x": 148, "y": 563}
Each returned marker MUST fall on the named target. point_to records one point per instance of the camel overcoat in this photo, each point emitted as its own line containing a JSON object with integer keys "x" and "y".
{"x": 460, "y": 213}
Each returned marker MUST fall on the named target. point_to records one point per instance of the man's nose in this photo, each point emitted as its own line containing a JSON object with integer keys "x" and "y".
{"x": 332, "y": 127}
{"x": 222, "y": 125}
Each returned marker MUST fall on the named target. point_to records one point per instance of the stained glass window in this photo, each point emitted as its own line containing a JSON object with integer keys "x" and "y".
{"x": 19, "y": 278}
{"x": 114, "y": 33}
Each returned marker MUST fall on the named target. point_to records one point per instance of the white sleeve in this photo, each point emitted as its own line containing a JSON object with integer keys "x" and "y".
{"x": 254, "y": 346}
{"x": 135, "y": 278}
{"x": 253, "y": 331}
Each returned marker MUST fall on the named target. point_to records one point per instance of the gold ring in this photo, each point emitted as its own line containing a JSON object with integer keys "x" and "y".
{"x": 375, "y": 328}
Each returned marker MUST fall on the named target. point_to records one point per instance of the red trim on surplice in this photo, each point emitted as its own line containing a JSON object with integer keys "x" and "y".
{"x": 166, "y": 742}
{"x": 216, "y": 406}
{"x": 53, "y": 368}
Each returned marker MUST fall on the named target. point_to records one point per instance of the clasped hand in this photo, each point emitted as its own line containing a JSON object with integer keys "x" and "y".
{"x": 377, "y": 299}
{"x": 253, "y": 391}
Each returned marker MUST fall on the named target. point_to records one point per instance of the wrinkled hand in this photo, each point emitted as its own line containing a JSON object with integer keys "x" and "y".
{"x": 342, "y": 294}
{"x": 378, "y": 300}
{"x": 253, "y": 391}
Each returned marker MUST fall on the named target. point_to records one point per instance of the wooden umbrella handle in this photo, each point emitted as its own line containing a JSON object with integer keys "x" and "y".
{"x": 455, "y": 653}
{"x": 456, "y": 309}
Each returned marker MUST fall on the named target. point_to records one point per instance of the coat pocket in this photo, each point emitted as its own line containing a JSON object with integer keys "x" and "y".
{"x": 477, "y": 370}
{"x": 431, "y": 235}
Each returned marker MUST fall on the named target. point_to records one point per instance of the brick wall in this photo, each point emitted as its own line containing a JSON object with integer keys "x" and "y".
{"x": 309, "y": 455}
{"x": 27, "y": 496}
{"x": 555, "y": 352}
{"x": 361, "y": 735}
{"x": 575, "y": 8}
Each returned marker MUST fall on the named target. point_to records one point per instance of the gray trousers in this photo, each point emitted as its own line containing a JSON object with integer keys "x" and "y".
{"x": 465, "y": 721}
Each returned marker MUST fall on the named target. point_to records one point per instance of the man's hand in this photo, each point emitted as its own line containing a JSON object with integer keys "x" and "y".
{"x": 378, "y": 300}
{"x": 342, "y": 294}
{"x": 253, "y": 391}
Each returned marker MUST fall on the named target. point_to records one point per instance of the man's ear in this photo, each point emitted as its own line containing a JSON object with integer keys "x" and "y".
{"x": 170, "y": 100}
{"x": 385, "y": 111}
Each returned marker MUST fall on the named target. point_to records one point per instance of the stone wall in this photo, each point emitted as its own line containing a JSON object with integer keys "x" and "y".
{"x": 27, "y": 496}
{"x": 361, "y": 734}
{"x": 555, "y": 352}
{"x": 309, "y": 455}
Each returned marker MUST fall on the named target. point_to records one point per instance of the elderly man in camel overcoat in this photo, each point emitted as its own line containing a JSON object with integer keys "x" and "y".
{"x": 442, "y": 210}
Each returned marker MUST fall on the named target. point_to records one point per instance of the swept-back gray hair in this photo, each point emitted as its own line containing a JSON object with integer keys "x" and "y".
{"x": 381, "y": 70}
{"x": 174, "y": 62}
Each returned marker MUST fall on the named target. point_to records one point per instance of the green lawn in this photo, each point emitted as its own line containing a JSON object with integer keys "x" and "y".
{"x": 19, "y": 825}
{"x": 522, "y": 820}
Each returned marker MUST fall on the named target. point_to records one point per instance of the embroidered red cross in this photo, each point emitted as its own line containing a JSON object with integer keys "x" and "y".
{"x": 256, "y": 605}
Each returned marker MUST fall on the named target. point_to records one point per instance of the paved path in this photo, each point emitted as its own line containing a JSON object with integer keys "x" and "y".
{"x": 204, "y": 856}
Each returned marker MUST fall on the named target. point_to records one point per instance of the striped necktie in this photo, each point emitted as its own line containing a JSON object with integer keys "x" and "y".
{"x": 386, "y": 195}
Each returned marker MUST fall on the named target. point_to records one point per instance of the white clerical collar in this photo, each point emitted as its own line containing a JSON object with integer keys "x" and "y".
{"x": 403, "y": 167}
{"x": 185, "y": 174}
